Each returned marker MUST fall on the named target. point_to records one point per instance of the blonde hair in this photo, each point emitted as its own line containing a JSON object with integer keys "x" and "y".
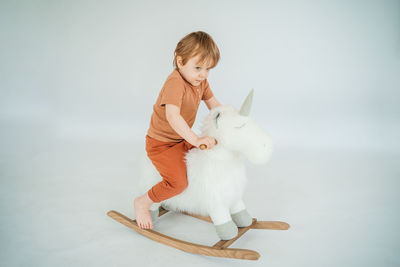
{"x": 197, "y": 43}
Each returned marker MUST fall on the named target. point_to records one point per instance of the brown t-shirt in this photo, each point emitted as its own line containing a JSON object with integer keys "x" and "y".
{"x": 179, "y": 92}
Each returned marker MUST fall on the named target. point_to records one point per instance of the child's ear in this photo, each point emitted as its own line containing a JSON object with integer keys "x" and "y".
{"x": 179, "y": 61}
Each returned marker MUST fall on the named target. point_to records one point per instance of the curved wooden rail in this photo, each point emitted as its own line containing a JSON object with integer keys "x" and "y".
{"x": 220, "y": 249}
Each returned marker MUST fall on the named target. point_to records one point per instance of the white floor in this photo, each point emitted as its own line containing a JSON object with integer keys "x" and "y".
{"x": 343, "y": 207}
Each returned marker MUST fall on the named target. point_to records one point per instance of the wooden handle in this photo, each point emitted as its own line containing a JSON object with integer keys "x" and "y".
{"x": 204, "y": 146}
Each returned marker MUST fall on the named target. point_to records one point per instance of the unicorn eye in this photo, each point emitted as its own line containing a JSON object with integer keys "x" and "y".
{"x": 241, "y": 126}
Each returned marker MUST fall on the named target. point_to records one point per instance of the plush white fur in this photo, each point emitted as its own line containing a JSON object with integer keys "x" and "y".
{"x": 217, "y": 177}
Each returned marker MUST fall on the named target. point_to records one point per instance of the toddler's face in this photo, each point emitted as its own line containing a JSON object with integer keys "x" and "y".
{"x": 192, "y": 71}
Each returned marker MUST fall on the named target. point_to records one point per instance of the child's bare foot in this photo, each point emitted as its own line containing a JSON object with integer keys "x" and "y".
{"x": 142, "y": 205}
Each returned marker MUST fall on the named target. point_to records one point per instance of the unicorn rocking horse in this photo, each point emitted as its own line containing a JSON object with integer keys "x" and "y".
{"x": 216, "y": 183}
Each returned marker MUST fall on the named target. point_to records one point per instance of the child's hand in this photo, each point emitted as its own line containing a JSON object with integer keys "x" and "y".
{"x": 210, "y": 142}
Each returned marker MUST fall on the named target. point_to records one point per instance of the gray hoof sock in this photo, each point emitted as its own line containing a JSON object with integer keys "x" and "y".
{"x": 242, "y": 218}
{"x": 227, "y": 230}
{"x": 154, "y": 215}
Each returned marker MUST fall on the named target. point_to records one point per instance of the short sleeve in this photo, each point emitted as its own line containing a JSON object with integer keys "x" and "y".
{"x": 172, "y": 92}
{"x": 207, "y": 93}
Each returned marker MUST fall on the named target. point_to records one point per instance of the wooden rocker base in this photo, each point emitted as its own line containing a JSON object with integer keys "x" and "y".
{"x": 220, "y": 249}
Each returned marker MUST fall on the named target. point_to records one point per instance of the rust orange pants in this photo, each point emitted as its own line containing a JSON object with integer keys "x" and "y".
{"x": 169, "y": 160}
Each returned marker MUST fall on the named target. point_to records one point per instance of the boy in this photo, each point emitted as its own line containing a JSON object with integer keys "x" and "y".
{"x": 170, "y": 136}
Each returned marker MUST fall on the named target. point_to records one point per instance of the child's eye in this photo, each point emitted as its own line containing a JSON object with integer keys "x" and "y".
{"x": 197, "y": 68}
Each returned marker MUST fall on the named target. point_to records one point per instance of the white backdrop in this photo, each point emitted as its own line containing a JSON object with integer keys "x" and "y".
{"x": 324, "y": 73}
{"x": 78, "y": 80}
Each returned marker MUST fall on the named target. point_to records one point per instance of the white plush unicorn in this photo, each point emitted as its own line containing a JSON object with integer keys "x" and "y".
{"x": 216, "y": 177}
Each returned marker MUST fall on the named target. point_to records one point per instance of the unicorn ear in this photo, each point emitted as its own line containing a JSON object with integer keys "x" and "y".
{"x": 246, "y": 106}
{"x": 216, "y": 117}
